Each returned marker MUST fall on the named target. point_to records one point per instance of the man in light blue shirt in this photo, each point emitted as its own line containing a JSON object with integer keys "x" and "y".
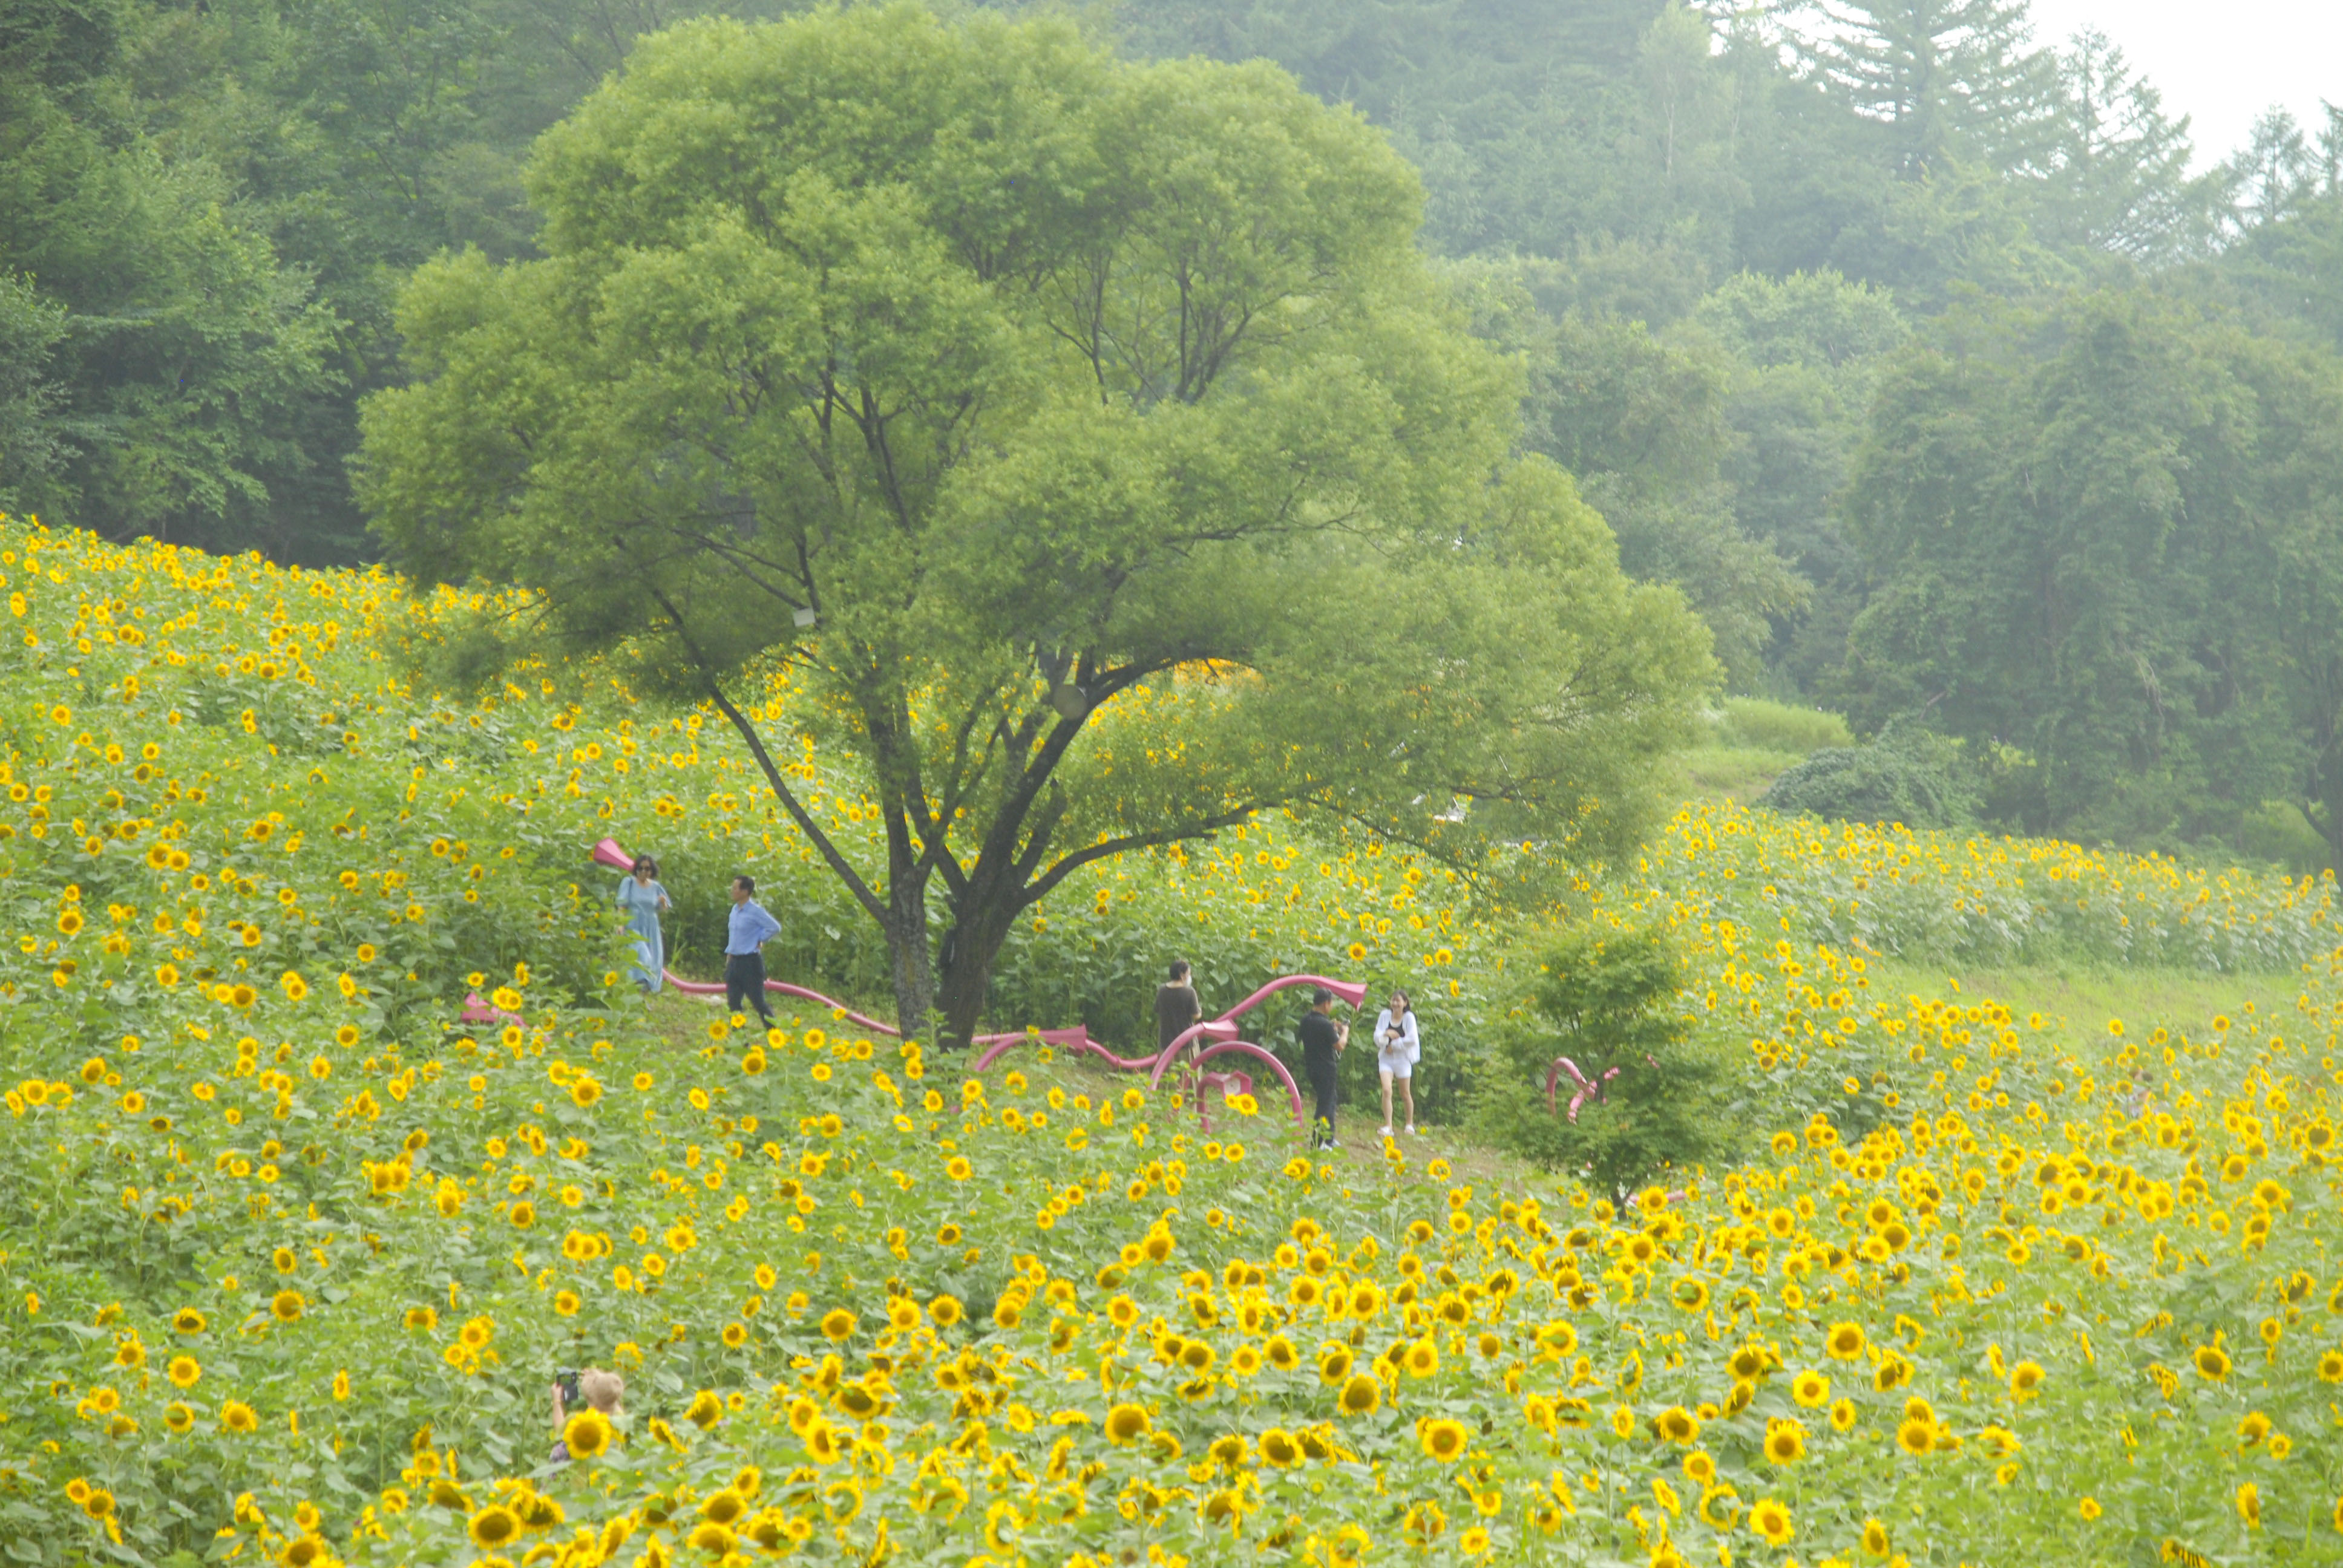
{"x": 747, "y": 931}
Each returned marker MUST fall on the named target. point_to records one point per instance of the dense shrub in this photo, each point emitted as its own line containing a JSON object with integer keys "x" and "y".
{"x": 1906, "y": 776}
{"x": 1607, "y": 999}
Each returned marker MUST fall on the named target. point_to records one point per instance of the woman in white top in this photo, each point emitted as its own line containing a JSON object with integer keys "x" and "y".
{"x": 1397, "y": 1048}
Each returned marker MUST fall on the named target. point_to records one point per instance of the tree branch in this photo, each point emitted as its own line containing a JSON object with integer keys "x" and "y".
{"x": 1204, "y": 827}
{"x": 870, "y": 901}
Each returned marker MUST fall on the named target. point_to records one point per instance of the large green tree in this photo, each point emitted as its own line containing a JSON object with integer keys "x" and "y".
{"x": 158, "y": 345}
{"x": 1088, "y": 438}
{"x": 1950, "y": 81}
{"x": 1639, "y": 420}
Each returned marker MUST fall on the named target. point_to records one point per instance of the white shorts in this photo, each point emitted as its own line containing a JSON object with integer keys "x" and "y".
{"x": 1396, "y": 1063}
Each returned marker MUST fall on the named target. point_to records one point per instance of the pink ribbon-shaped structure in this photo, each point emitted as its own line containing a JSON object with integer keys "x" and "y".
{"x": 1222, "y": 1031}
{"x": 1588, "y": 1087}
{"x": 479, "y": 1011}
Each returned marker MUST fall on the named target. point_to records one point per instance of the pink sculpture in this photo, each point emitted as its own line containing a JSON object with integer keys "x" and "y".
{"x": 1588, "y": 1089}
{"x": 711, "y": 991}
{"x": 1222, "y": 1030}
{"x": 1236, "y": 1048}
{"x": 479, "y": 1011}
{"x": 1075, "y": 1038}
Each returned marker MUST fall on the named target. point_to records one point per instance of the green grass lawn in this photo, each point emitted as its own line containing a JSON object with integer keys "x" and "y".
{"x": 1739, "y": 773}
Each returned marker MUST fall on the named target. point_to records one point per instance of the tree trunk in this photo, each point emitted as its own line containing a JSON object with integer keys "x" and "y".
{"x": 2326, "y": 786}
{"x": 977, "y": 935}
{"x": 906, "y": 946}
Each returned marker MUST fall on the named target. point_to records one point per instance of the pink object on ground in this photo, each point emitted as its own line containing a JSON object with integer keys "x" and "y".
{"x": 1078, "y": 1038}
{"x": 477, "y": 1011}
{"x": 1588, "y": 1089}
{"x": 713, "y": 990}
{"x": 1244, "y": 1047}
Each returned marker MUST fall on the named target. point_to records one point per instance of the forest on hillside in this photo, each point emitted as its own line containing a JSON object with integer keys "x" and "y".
{"x": 1904, "y": 341}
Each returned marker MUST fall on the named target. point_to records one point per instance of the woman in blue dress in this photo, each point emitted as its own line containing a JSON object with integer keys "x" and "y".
{"x": 642, "y": 897}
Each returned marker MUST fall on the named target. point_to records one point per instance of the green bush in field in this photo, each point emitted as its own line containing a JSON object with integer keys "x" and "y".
{"x": 1754, "y": 724}
{"x": 1606, "y": 998}
{"x": 1906, "y": 776}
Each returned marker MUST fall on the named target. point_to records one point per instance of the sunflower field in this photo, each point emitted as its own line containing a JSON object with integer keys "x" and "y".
{"x": 294, "y": 1254}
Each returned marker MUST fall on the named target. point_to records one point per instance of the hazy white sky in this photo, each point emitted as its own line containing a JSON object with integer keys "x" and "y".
{"x": 2219, "y": 62}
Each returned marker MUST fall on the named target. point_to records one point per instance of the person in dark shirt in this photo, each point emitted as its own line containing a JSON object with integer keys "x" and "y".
{"x": 1177, "y": 1010}
{"x": 1322, "y": 1038}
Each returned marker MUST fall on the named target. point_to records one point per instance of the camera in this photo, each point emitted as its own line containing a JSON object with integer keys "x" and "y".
{"x": 566, "y": 1381}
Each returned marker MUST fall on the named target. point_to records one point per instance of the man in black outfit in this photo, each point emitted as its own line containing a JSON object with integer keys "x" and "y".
{"x": 1322, "y": 1038}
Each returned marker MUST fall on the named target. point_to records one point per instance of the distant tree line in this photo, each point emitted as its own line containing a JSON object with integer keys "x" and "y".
{"x": 1829, "y": 305}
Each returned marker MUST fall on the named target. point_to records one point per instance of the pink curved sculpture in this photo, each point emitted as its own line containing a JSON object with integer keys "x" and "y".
{"x": 1352, "y": 991}
{"x": 1225, "y": 1027}
{"x": 479, "y": 1011}
{"x": 1588, "y": 1089}
{"x": 1240, "y": 1047}
{"x": 711, "y": 991}
{"x": 1211, "y": 1029}
{"x": 1075, "y": 1038}
{"x": 1222, "y": 1030}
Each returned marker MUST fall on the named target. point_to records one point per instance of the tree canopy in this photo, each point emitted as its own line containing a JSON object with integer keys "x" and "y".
{"x": 2135, "y": 598}
{"x": 208, "y": 212}
{"x": 1086, "y": 440}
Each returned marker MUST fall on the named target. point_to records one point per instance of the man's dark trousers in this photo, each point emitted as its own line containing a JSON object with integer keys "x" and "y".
{"x": 1318, "y": 1063}
{"x": 744, "y": 985}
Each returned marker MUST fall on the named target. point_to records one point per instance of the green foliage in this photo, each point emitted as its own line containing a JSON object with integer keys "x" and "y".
{"x": 153, "y": 369}
{"x": 1808, "y": 350}
{"x": 1712, "y": 245}
{"x": 1606, "y": 998}
{"x": 1053, "y": 421}
{"x": 225, "y": 198}
{"x": 1641, "y": 421}
{"x": 31, "y": 446}
{"x": 2281, "y": 833}
{"x": 1755, "y": 723}
{"x": 2141, "y": 598}
{"x": 1907, "y": 775}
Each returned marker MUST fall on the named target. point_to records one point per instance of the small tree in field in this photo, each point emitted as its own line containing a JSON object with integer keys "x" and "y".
{"x": 1087, "y": 440}
{"x": 1606, "y": 998}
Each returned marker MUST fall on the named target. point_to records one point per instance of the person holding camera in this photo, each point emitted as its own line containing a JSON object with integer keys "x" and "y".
{"x": 575, "y": 1392}
{"x": 1398, "y": 1048}
{"x": 1322, "y": 1039}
